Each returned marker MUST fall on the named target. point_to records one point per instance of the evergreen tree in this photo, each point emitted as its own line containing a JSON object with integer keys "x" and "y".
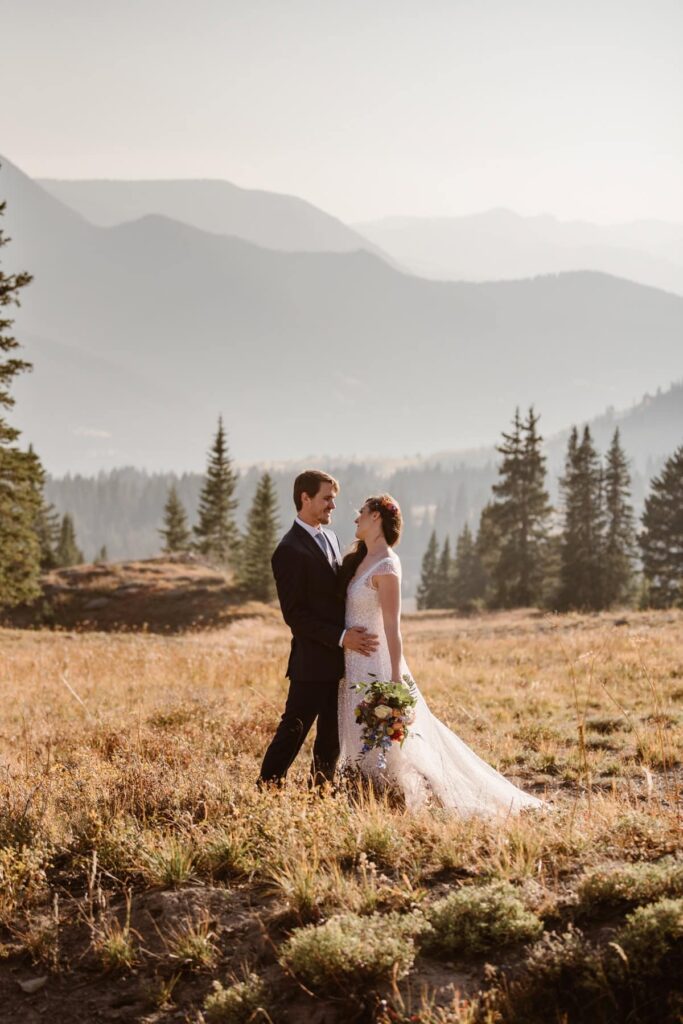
{"x": 255, "y": 573}
{"x": 522, "y": 509}
{"x": 68, "y": 551}
{"x": 442, "y": 591}
{"x": 581, "y": 572}
{"x": 619, "y": 542}
{"x": 425, "y": 590}
{"x": 488, "y": 547}
{"x": 47, "y": 529}
{"x": 216, "y": 532}
{"x": 102, "y": 555}
{"x": 469, "y": 581}
{"x": 661, "y": 541}
{"x": 21, "y": 474}
{"x": 175, "y": 531}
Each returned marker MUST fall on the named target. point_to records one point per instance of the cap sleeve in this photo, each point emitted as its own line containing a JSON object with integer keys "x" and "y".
{"x": 389, "y": 566}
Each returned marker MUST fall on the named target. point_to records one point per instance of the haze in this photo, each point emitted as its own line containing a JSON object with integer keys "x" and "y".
{"x": 366, "y": 110}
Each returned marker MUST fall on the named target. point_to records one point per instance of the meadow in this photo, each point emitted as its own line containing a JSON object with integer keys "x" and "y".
{"x": 143, "y": 877}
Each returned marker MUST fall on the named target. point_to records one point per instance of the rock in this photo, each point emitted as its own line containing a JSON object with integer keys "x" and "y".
{"x": 95, "y": 603}
{"x": 32, "y": 985}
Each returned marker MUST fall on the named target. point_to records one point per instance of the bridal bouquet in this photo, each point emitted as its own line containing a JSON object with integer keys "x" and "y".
{"x": 385, "y": 714}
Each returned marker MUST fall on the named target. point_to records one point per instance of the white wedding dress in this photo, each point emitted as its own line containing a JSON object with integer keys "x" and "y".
{"x": 433, "y": 765}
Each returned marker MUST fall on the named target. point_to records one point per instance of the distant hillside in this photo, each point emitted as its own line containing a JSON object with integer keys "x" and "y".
{"x": 326, "y": 352}
{"x": 650, "y": 430}
{"x": 501, "y": 245}
{"x": 267, "y": 219}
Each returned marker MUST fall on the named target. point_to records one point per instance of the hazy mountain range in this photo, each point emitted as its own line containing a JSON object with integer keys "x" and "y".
{"x": 142, "y": 332}
{"x": 267, "y": 219}
{"x": 501, "y": 245}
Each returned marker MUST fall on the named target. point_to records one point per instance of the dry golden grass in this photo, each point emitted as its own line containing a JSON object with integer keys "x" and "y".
{"x": 128, "y": 804}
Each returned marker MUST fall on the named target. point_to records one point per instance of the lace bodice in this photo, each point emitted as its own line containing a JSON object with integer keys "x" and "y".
{"x": 363, "y": 609}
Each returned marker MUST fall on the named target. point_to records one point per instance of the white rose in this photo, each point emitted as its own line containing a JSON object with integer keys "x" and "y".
{"x": 382, "y": 711}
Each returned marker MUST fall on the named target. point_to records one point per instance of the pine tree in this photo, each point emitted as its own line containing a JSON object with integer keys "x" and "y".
{"x": 581, "y": 572}
{"x": 216, "y": 532}
{"x": 21, "y": 474}
{"x": 661, "y": 541}
{"x": 68, "y": 551}
{"x": 425, "y": 590}
{"x": 175, "y": 531}
{"x": 255, "y": 573}
{"x": 488, "y": 547}
{"x": 619, "y": 542}
{"x": 442, "y": 591}
{"x": 102, "y": 555}
{"x": 469, "y": 581}
{"x": 47, "y": 529}
{"x": 522, "y": 509}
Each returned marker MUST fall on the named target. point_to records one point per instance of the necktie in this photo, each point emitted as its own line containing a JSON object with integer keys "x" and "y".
{"x": 326, "y": 548}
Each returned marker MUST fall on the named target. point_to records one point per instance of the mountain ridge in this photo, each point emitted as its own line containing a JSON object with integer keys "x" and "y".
{"x": 499, "y": 244}
{"x": 292, "y": 345}
{"x": 273, "y": 220}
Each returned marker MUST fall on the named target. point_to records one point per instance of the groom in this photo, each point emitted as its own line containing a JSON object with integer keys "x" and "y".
{"x": 305, "y": 566}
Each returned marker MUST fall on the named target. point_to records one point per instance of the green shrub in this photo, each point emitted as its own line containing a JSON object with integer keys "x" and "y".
{"x": 631, "y": 884}
{"x": 560, "y": 979}
{"x": 474, "y": 919}
{"x": 236, "y": 1004}
{"x": 353, "y": 950}
{"x": 650, "y": 934}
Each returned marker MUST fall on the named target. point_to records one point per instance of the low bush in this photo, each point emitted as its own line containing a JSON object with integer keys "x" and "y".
{"x": 238, "y": 1003}
{"x": 561, "y": 979}
{"x": 349, "y": 950}
{"x": 650, "y": 936}
{"x": 630, "y": 885}
{"x": 474, "y": 919}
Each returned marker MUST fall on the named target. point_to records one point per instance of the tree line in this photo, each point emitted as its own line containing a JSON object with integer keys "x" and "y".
{"x": 583, "y": 555}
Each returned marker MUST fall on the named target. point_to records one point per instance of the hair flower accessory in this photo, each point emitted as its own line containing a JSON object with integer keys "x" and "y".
{"x": 384, "y": 504}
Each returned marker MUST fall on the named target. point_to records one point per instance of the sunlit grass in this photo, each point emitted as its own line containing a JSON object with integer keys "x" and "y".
{"x": 138, "y": 754}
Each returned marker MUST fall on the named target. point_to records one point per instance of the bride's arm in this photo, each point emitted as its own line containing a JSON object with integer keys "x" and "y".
{"x": 389, "y": 591}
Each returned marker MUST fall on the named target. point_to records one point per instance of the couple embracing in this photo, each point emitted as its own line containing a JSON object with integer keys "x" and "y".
{"x": 345, "y": 619}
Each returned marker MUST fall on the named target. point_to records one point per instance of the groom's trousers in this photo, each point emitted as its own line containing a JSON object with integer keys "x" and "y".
{"x": 305, "y": 702}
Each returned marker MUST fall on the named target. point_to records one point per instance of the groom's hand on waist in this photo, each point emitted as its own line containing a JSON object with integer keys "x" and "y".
{"x": 359, "y": 640}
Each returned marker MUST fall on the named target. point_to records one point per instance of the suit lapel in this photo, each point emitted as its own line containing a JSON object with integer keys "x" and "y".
{"x": 333, "y": 541}
{"x": 310, "y": 543}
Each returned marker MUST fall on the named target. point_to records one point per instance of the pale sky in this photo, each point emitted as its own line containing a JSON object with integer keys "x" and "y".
{"x": 367, "y": 108}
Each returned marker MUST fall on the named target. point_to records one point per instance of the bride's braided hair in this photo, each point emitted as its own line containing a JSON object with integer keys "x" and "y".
{"x": 392, "y": 524}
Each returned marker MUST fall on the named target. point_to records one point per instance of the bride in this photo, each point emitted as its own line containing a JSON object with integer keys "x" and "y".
{"x": 433, "y": 763}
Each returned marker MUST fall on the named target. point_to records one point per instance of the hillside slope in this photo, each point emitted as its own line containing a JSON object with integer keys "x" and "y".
{"x": 310, "y": 351}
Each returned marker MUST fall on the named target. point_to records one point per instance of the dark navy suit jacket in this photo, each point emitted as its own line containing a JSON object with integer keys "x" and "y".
{"x": 311, "y": 606}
